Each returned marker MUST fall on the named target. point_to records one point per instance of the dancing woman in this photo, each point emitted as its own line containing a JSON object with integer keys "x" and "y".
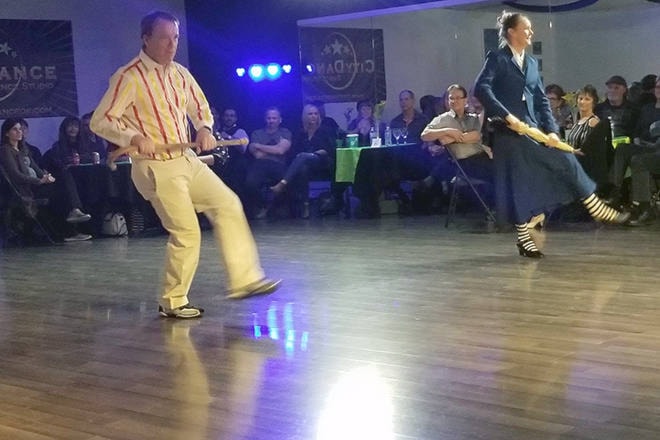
{"x": 530, "y": 178}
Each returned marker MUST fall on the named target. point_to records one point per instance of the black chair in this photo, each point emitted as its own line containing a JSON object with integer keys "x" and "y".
{"x": 19, "y": 214}
{"x": 461, "y": 179}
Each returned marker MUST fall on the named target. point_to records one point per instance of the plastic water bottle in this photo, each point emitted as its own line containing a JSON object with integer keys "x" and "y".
{"x": 388, "y": 136}
{"x": 372, "y": 135}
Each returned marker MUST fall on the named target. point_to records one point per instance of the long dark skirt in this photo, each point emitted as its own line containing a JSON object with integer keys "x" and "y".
{"x": 531, "y": 178}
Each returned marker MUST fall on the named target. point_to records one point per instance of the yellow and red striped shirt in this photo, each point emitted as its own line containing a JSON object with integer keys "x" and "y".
{"x": 154, "y": 101}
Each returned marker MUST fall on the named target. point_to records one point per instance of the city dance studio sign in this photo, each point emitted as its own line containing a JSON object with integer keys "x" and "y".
{"x": 342, "y": 65}
{"x": 37, "y": 72}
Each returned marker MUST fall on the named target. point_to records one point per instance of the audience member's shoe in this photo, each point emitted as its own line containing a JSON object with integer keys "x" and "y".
{"x": 261, "y": 287}
{"x": 77, "y": 216}
{"x": 644, "y": 218}
{"x": 78, "y": 237}
{"x": 278, "y": 188}
{"x": 184, "y": 312}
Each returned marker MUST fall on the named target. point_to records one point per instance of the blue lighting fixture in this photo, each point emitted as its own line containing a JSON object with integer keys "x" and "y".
{"x": 309, "y": 68}
{"x": 257, "y": 72}
{"x": 286, "y": 68}
{"x": 240, "y": 72}
{"x": 273, "y": 71}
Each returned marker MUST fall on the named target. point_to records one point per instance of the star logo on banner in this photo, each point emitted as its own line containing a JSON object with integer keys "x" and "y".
{"x": 337, "y": 47}
{"x": 4, "y": 48}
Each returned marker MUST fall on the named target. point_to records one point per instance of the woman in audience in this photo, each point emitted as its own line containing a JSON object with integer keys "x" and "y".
{"x": 315, "y": 151}
{"x": 561, "y": 111}
{"x": 530, "y": 178}
{"x": 33, "y": 182}
{"x": 589, "y": 135}
{"x": 363, "y": 123}
{"x": 67, "y": 150}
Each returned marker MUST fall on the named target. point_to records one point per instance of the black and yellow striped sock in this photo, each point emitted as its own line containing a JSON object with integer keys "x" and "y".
{"x": 600, "y": 211}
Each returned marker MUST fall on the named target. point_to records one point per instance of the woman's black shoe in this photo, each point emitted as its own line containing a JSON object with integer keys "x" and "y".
{"x": 527, "y": 253}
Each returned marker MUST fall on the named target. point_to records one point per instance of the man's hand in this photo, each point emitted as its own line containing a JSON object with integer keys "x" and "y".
{"x": 144, "y": 145}
{"x": 204, "y": 139}
{"x": 488, "y": 150}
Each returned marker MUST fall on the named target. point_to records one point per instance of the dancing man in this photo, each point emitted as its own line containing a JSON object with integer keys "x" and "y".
{"x": 149, "y": 102}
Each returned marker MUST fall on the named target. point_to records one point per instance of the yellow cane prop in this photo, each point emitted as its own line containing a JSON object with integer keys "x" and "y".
{"x": 163, "y": 148}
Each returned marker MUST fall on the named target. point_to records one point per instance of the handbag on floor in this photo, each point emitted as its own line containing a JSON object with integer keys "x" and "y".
{"x": 114, "y": 224}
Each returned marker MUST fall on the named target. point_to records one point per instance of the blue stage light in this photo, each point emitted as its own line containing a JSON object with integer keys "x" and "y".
{"x": 286, "y": 68}
{"x": 273, "y": 71}
{"x": 240, "y": 72}
{"x": 256, "y": 72}
{"x": 309, "y": 68}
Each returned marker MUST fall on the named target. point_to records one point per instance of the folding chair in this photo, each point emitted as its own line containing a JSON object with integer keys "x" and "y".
{"x": 462, "y": 179}
{"x": 12, "y": 203}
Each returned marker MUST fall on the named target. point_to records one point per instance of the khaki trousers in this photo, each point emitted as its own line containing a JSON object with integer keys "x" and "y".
{"x": 179, "y": 188}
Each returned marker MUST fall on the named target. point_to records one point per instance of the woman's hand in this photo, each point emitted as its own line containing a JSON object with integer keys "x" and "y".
{"x": 553, "y": 140}
{"x": 513, "y": 122}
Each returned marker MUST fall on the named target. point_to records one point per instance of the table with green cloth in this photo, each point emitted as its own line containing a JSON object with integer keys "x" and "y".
{"x": 348, "y": 158}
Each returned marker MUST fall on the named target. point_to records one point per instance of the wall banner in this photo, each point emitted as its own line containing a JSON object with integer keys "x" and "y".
{"x": 37, "y": 72}
{"x": 341, "y": 65}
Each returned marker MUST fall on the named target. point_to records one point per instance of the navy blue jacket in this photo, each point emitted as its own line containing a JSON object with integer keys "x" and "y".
{"x": 501, "y": 85}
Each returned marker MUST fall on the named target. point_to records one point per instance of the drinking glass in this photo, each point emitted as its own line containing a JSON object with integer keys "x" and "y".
{"x": 404, "y": 135}
{"x": 396, "y": 132}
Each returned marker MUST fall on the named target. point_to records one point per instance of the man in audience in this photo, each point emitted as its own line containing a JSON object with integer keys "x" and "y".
{"x": 409, "y": 118}
{"x": 460, "y": 132}
{"x": 621, "y": 113}
{"x": 230, "y": 163}
{"x": 645, "y": 142}
{"x": 269, "y": 146}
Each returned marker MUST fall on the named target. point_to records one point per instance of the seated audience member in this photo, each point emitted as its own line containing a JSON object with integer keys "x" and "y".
{"x": 561, "y": 111}
{"x": 644, "y": 142}
{"x": 230, "y": 163}
{"x": 269, "y": 146}
{"x": 89, "y": 141}
{"x": 67, "y": 150}
{"x": 412, "y": 162}
{"x": 363, "y": 123}
{"x": 314, "y": 149}
{"x": 590, "y": 135}
{"x": 461, "y": 133}
{"x": 413, "y": 121}
{"x": 34, "y": 151}
{"x": 327, "y": 123}
{"x": 616, "y": 109}
{"x": 32, "y": 182}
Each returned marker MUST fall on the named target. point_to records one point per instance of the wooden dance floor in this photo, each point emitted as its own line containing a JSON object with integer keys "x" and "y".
{"x": 384, "y": 329}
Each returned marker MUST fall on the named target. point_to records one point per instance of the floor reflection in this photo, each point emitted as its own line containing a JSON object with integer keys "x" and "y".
{"x": 358, "y": 407}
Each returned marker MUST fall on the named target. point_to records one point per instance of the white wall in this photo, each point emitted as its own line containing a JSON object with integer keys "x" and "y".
{"x": 106, "y": 35}
{"x": 427, "y": 50}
